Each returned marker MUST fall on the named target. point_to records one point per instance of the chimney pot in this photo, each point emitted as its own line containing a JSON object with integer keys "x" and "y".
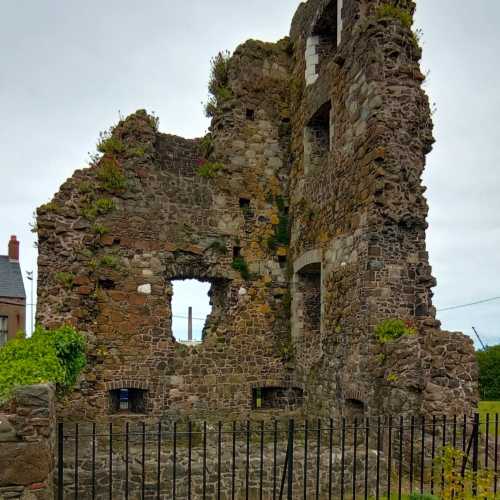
{"x": 14, "y": 249}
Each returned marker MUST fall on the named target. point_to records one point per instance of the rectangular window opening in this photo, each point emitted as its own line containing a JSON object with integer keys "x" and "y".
{"x": 277, "y": 398}
{"x": 127, "y": 400}
{"x": 310, "y": 289}
{"x": 250, "y": 114}
{"x": 318, "y": 138}
{"x": 4, "y": 329}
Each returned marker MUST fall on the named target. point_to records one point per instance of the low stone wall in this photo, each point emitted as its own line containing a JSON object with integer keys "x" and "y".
{"x": 151, "y": 467}
{"x": 27, "y": 442}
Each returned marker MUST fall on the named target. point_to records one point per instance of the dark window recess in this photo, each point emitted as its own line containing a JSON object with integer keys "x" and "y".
{"x": 244, "y": 203}
{"x": 354, "y": 408}
{"x": 236, "y": 252}
{"x": 128, "y": 400}
{"x": 106, "y": 283}
{"x": 250, "y": 114}
{"x": 277, "y": 398}
{"x": 282, "y": 260}
{"x": 326, "y": 30}
{"x": 310, "y": 287}
{"x": 116, "y": 241}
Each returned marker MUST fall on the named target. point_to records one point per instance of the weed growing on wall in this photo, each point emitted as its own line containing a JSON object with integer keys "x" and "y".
{"x": 218, "y": 85}
{"x": 389, "y": 10}
{"x": 56, "y": 356}
{"x": 393, "y": 329}
{"x": 209, "y": 169}
{"x": 66, "y": 279}
{"x": 111, "y": 175}
{"x": 239, "y": 264}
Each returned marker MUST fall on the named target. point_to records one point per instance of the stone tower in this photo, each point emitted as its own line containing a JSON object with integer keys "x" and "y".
{"x": 304, "y": 209}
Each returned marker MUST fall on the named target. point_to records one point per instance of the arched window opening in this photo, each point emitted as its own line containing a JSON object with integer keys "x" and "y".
{"x": 191, "y": 305}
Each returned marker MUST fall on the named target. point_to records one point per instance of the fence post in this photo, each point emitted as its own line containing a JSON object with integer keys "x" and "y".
{"x": 475, "y": 454}
{"x": 60, "y": 461}
{"x": 291, "y": 429}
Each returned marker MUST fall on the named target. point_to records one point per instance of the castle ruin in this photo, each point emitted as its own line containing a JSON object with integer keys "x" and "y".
{"x": 303, "y": 208}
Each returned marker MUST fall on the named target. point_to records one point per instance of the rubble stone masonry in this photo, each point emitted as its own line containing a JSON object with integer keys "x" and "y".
{"x": 322, "y": 134}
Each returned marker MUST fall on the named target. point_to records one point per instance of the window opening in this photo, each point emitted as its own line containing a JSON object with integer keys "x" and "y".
{"x": 277, "y": 398}
{"x": 250, "y": 114}
{"x": 310, "y": 288}
{"x": 4, "y": 329}
{"x": 318, "y": 138}
{"x": 191, "y": 305}
{"x": 236, "y": 252}
{"x": 244, "y": 203}
{"x": 128, "y": 400}
{"x": 322, "y": 43}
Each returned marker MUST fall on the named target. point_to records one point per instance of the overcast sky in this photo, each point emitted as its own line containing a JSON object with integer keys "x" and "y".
{"x": 68, "y": 68}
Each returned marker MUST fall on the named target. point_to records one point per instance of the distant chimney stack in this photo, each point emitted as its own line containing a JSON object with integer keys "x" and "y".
{"x": 14, "y": 249}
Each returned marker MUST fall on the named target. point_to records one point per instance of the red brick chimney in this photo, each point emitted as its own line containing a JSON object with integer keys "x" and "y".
{"x": 14, "y": 249}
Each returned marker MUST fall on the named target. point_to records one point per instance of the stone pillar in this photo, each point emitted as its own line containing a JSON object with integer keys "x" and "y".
{"x": 27, "y": 444}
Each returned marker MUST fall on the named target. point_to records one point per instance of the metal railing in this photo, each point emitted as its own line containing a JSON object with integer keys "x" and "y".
{"x": 343, "y": 458}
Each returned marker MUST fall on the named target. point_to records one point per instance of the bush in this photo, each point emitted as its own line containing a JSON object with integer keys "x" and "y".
{"x": 489, "y": 373}
{"x": 111, "y": 175}
{"x": 218, "y": 85}
{"x": 209, "y": 169}
{"x": 56, "y": 356}
{"x": 389, "y": 10}
{"x": 108, "y": 144}
{"x": 393, "y": 329}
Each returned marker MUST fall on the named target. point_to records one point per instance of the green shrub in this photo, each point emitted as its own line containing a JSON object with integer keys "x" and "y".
{"x": 239, "y": 264}
{"x": 218, "y": 85}
{"x": 56, "y": 356}
{"x": 209, "y": 169}
{"x": 389, "y": 10}
{"x": 108, "y": 144}
{"x": 111, "y": 175}
{"x": 393, "y": 329}
{"x": 64, "y": 278}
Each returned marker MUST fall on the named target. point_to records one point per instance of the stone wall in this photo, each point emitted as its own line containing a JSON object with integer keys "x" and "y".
{"x": 27, "y": 444}
{"x": 315, "y": 186}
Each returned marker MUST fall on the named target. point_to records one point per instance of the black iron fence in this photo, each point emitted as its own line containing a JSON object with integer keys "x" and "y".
{"x": 372, "y": 458}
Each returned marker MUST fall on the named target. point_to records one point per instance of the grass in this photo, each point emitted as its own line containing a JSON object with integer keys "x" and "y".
{"x": 490, "y": 407}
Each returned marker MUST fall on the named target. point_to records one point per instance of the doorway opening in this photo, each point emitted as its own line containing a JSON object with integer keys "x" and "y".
{"x": 190, "y": 307}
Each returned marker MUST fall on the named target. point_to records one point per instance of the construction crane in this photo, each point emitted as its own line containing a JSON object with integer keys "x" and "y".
{"x": 479, "y": 338}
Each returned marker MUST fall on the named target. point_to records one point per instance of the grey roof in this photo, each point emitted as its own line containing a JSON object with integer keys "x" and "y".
{"x": 11, "y": 279}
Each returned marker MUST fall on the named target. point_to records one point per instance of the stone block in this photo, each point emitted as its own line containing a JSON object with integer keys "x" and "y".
{"x": 22, "y": 464}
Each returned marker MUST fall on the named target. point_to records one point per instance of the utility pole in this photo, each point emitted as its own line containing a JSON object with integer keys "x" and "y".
{"x": 190, "y": 323}
{"x": 29, "y": 275}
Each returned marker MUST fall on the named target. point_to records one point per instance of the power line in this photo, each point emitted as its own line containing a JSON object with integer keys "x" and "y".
{"x": 469, "y": 304}
{"x": 185, "y": 317}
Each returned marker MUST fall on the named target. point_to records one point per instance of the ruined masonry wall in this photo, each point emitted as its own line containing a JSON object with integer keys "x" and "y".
{"x": 335, "y": 161}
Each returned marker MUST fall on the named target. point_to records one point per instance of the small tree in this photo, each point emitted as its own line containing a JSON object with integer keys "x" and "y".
{"x": 56, "y": 356}
{"x": 489, "y": 372}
